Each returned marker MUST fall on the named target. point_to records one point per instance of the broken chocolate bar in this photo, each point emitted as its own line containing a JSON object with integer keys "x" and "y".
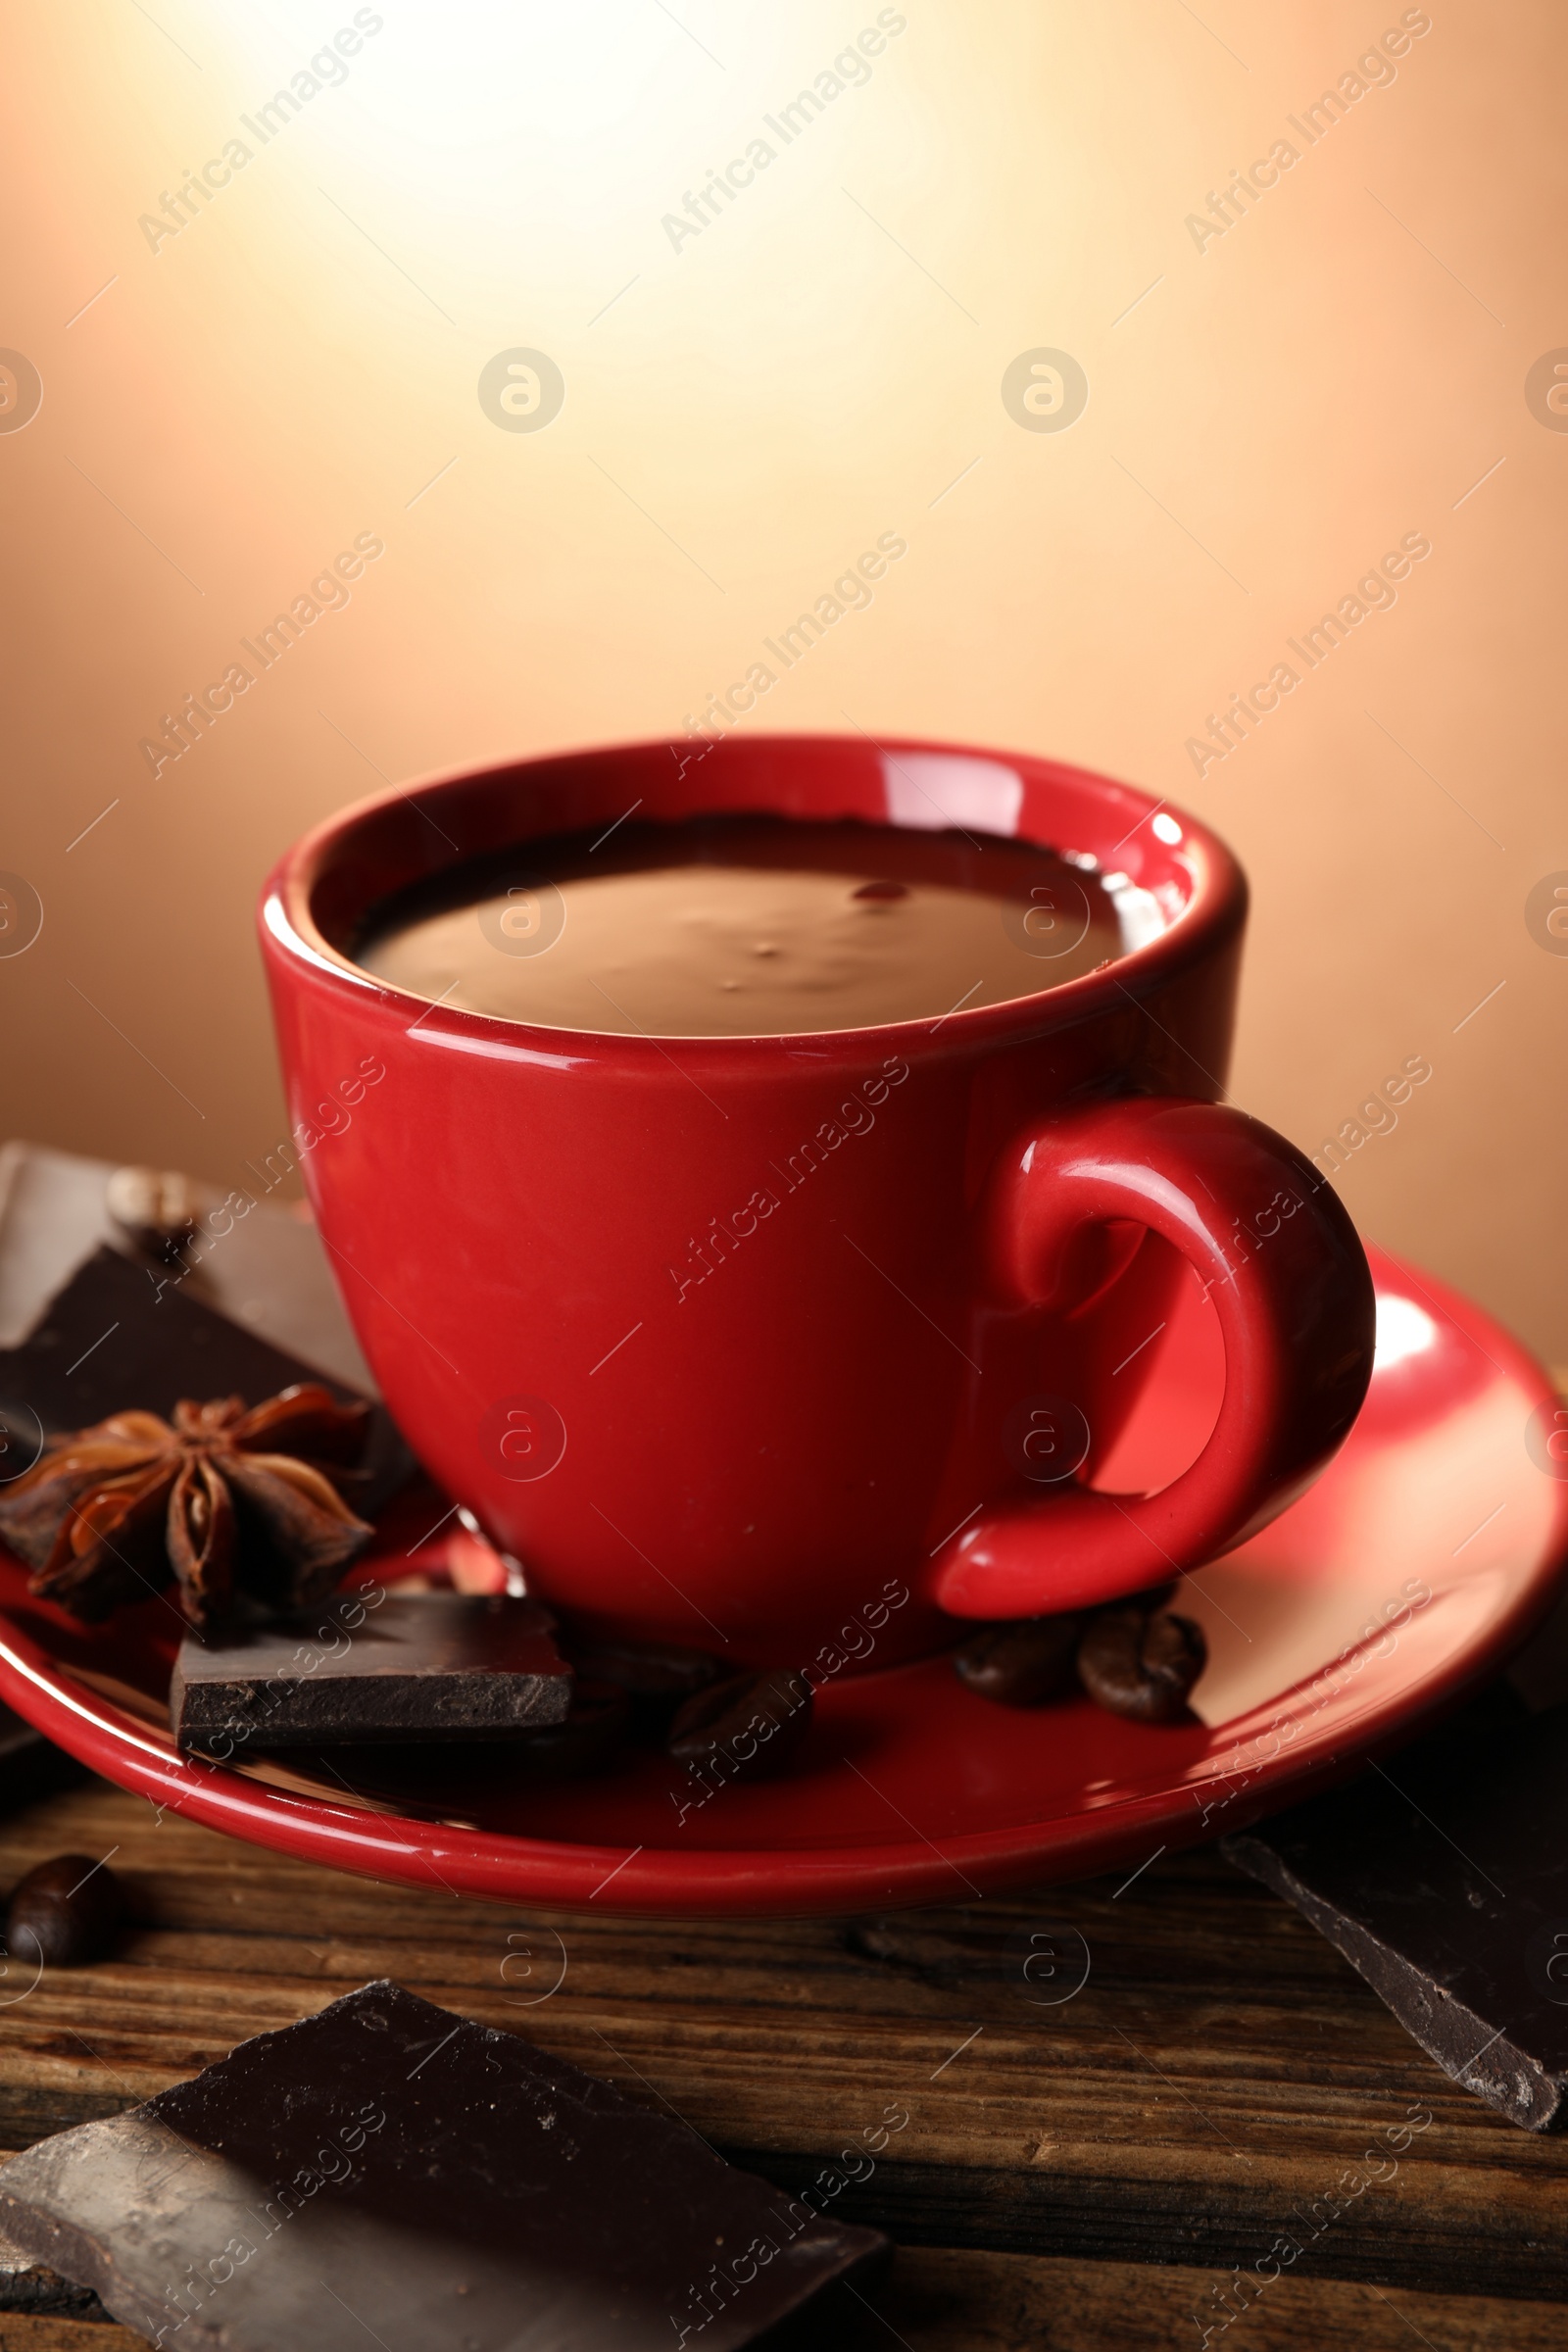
{"x": 388, "y": 2172}
{"x": 1442, "y": 1877}
{"x": 369, "y": 1666}
{"x": 657, "y": 1680}
{"x": 32, "y": 2289}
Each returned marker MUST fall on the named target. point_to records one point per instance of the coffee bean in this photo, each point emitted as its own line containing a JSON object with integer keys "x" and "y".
{"x": 591, "y": 1736}
{"x": 64, "y": 1912}
{"x": 658, "y": 1682}
{"x": 745, "y": 1728}
{"x": 1023, "y": 1662}
{"x": 1141, "y": 1664}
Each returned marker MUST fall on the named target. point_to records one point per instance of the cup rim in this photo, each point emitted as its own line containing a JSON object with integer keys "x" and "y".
{"x": 1214, "y": 910}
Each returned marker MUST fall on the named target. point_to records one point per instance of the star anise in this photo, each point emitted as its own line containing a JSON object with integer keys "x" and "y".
{"x": 224, "y": 1499}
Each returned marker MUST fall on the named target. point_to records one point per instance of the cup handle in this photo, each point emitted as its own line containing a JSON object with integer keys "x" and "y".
{"x": 1280, "y": 1258}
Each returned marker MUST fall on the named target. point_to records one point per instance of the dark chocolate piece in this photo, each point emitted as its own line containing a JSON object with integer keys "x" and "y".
{"x": 1022, "y": 1663}
{"x": 1443, "y": 1877}
{"x": 31, "y": 2289}
{"x": 657, "y": 1681}
{"x": 64, "y": 1912}
{"x": 112, "y": 1341}
{"x": 745, "y": 1728}
{"x": 1140, "y": 1665}
{"x": 371, "y": 1666}
{"x": 387, "y": 2171}
{"x": 595, "y": 1731}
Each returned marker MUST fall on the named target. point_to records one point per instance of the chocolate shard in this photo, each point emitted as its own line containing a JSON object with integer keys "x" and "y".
{"x": 31, "y": 2288}
{"x": 746, "y": 1726}
{"x": 370, "y": 1665}
{"x": 388, "y": 2171}
{"x": 657, "y": 1680}
{"x": 110, "y": 1342}
{"x": 1443, "y": 1877}
{"x": 593, "y": 1734}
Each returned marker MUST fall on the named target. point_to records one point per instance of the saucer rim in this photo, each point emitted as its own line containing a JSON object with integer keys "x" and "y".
{"x": 798, "y": 1882}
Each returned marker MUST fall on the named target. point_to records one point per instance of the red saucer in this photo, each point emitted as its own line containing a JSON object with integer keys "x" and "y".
{"x": 1421, "y": 1558}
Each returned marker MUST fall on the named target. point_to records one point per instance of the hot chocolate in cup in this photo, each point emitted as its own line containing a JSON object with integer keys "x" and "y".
{"x": 775, "y": 1171}
{"x": 747, "y": 926}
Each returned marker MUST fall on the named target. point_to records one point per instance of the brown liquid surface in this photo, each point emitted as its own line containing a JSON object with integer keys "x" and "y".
{"x": 745, "y": 927}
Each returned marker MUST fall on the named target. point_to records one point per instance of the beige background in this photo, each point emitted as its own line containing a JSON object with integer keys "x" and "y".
{"x": 300, "y": 361}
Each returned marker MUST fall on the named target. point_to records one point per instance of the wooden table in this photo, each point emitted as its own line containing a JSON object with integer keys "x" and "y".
{"x": 1083, "y": 2175}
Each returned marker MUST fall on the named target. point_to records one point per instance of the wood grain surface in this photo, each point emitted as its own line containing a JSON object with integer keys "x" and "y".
{"x": 1103, "y": 2166}
{"x": 945, "y": 2301}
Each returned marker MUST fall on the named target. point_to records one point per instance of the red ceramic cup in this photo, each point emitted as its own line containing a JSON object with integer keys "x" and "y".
{"x": 737, "y": 1343}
